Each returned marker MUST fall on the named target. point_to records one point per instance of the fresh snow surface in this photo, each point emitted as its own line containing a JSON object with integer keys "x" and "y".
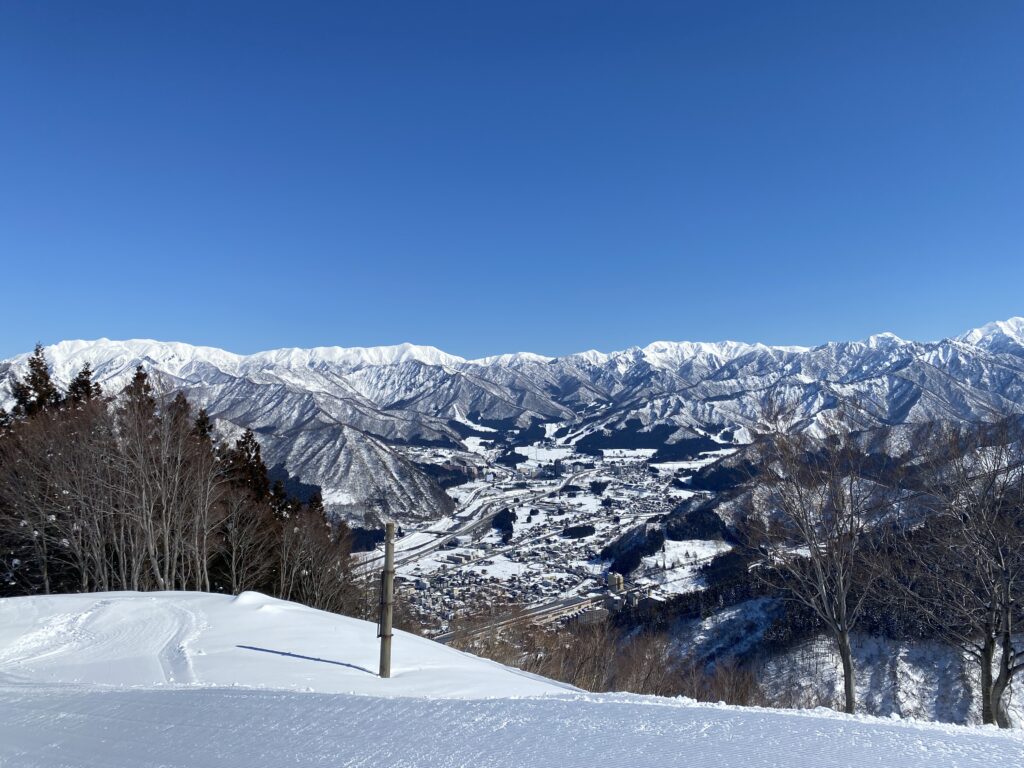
{"x": 1012, "y": 328}
{"x": 628, "y": 453}
{"x": 193, "y": 638}
{"x": 540, "y": 455}
{"x": 127, "y": 680}
{"x": 461, "y": 418}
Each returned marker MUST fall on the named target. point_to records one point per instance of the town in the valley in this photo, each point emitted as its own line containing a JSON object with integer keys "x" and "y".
{"x": 532, "y": 536}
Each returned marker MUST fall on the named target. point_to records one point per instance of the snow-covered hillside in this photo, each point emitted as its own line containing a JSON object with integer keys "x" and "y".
{"x": 199, "y": 639}
{"x": 127, "y": 680}
{"x": 344, "y": 419}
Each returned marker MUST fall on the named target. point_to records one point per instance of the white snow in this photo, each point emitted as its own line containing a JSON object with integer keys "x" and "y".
{"x": 675, "y": 569}
{"x": 461, "y": 418}
{"x": 682, "y": 553}
{"x": 357, "y": 357}
{"x": 193, "y": 638}
{"x": 337, "y": 496}
{"x": 541, "y": 454}
{"x": 628, "y": 453}
{"x": 1011, "y": 328}
{"x": 475, "y": 445}
{"x": 672, "y": 354}
{"x": 129, "y": 680}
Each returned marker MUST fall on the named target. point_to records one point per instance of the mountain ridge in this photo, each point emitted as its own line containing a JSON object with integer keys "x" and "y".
{"x": 389, "y": 354}
{"x": 352, "y": 419}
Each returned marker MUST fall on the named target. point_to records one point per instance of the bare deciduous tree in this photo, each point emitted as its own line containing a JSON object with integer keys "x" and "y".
{"x": 809, "y": 511}
{"x": 957, "y": 560}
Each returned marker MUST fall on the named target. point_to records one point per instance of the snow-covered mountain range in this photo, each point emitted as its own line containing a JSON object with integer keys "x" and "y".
{"x": 343, "y": 418}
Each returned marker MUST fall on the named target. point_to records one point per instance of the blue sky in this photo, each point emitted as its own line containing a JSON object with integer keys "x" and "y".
{"x": 498, "y": 176}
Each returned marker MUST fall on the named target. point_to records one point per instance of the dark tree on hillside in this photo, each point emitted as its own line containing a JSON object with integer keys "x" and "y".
{"x": 280, "y": 501}
{"x": 203, "y": 427}
{"x": 504, "y": 521}
{"x": 180, "y": 409}
{"x": 316, "y": 503}
{"x": 138, "y": 395}
{"x": 82, "y": 388}
{"x": 36, "y": 392}
{"x": 246, "y": 467}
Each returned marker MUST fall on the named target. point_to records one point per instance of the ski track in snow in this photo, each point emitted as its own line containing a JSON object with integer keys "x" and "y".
{"x": 175, "y": 656}
{"x": 246, "y": 729}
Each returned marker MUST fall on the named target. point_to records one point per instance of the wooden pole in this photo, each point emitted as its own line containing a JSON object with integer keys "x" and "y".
{"x": 387, "y": 600}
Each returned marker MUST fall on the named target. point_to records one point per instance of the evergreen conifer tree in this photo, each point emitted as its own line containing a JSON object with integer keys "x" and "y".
{"x": 280, "y": 500}
{"x": 82, "y": 388}
{"x": 37, "y": 391}
{"x": 139, "y": 395}
{"x": 316, "y": 504}
{"x": 247, "y": 467}
{"x": 203, "y": 427}
{"x": 179, "y": 411}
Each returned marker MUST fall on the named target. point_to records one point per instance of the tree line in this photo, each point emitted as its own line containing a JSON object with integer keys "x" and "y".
{"x": 133, "y": 491}
{"x": 602, "y": 656}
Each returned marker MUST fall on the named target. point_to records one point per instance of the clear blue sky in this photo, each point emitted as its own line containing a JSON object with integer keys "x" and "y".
{"x": 496, "y": 176}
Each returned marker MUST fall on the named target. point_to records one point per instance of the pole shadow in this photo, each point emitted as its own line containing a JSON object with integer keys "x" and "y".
{"x": 307, "y": 658}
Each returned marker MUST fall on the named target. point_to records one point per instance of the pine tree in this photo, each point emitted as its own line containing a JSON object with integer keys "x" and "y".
{"x": 247, "y": 467}
{"x": 82, "y": 388}
{"x": 36, "y": 392}
{"x": 139, "y": 390}
{"x": 316, "y": 504}
{"x": 137, "y": 405}
{"x": 179, "y": 411}
{"x": 203, "y": 427}
{"x": 279, "y": 500}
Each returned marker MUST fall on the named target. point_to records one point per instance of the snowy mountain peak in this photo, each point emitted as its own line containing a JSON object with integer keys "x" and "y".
{"x": 512, "y": 359}
{"x": 173, "y": 357}
{"x": 673, "y": 354}
{"x": 591, "y": 356}
{"x": 358, "y": 357}
{"x": 108, "y": 357}
{"x": 884, "y": 339}
{"x": 997, "y": 335}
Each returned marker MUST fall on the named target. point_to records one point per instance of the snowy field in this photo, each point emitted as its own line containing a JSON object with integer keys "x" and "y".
{"x": 539, "y": 454}
{"x": 197, "y": 639}
{"x": 675, "y": 569}
{"x": 126, "y": 680}
{"x": 611, "y": 454}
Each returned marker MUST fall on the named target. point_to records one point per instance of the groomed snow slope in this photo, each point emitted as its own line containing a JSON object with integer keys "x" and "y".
{"x": 126, "y": 680}
{"x": 200, "y": 639}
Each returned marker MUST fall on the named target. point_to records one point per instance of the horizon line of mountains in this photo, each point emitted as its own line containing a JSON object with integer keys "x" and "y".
{"x": 345, "y": 419}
